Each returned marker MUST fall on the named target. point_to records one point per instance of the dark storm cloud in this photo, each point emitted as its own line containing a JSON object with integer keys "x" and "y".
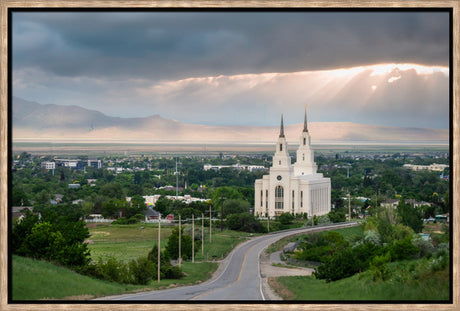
{"x": 172, "y": 45}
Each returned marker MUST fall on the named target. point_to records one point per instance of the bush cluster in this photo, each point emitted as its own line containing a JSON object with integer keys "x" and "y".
{"x": 341, "y": 260}
{"x": 138, "y": 271}
{"x": 58, "y": 236}
{"x": 245, "y": 222}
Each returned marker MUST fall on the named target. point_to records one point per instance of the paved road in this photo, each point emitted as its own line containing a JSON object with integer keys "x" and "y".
{"x": 240, "y": 279}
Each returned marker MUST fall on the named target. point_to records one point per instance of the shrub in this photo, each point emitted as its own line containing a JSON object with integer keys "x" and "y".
{"x": 112, "y": 270}
{"x": 426, "y": 248}
{"x": 166, "y": 269}
{"x": 341, "y": 265}
{"x": 286, "y": 218}
{"x": 371, "y": 236}
{"x": 58, "y": 236}
{"x": 323, "y": 220}
{"x": 245, "y": 222}
{"x": 142, "y": 270}
{"x": 402, "y": 249}
{"x": 379, "y": 267}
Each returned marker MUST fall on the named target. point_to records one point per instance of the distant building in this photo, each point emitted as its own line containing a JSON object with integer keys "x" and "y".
{"x": 294, "y": 189}
{"x": 393, "y": 203}
{"x": 238, "y": 166}
{"x": 49, "y": 165}
{"x": 431, "y": 167}
{"x": 95, "y": 163}
{"x": 150, "y": 200}
{"x": 73, "y": 164}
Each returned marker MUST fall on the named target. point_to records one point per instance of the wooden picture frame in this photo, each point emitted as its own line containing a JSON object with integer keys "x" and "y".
{"x": 5, "y": 145}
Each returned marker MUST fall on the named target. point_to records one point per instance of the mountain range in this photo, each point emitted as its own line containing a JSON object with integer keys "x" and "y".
{"x": 32, "y": 121}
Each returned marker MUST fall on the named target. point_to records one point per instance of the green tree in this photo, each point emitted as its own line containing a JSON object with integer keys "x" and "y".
{"x": 172, "y": 246}
{"x": 379, "y": 267}
{"x": 411, "y": 216}
{"x": 341, "y": 265}
{"x": 224, "y": 193}
{"x": 113, "y": 190}
{"x": 111, "y": 207}
{"x": 163, "y": 205}
{"x": 244, "y": 222}
{"x": 235, "y": 206}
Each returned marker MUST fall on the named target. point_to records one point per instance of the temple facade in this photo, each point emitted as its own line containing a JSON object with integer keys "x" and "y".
{"x": 293, "y": 188}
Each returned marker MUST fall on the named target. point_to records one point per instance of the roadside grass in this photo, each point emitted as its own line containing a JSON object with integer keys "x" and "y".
{"x": 196, "y": 273}
{"x": 221, "y": 245}
{"x": 35, "y": 279}
{"x": 349, "y": 233}
{"x": 434, "y": 286}
{"x": 40, "y": 280}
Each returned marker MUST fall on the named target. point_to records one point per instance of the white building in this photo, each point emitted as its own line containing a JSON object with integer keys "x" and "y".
{"x": 431, "y": 167}
{"x": 49, "y": 165}
{"x": 238, "y": 166}
{"x": 297, "y": 188}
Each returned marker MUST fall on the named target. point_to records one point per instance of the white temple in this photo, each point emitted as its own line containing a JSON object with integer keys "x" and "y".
{"x": 294, "y": 188}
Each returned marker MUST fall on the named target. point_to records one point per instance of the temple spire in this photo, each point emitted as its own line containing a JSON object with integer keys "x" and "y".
{"x": 305, "y": 128}
{"x": 282, "y": 127}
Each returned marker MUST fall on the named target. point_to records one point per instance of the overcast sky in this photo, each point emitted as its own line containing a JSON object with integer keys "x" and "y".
{"x": 242, "y": 68}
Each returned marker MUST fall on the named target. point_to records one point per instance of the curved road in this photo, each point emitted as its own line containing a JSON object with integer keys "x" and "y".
{"x": 240, "y": 279}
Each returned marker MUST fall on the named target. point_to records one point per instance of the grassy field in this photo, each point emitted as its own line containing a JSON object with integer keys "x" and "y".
{"x": 34, "y": 279}
{"x": 126, "y": 242}
{"x": 361, "y": 287}
{"x": 40, "y": 280}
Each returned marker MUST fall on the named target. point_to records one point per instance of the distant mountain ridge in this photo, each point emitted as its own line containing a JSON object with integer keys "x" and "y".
{"x": 32, "y": 121}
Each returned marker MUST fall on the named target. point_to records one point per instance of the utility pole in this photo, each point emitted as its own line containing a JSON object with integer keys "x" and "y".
{"x": 349, "y": 206}
{"x": 159, "y": 248}
{"x": 193, "y": 238}
{"x": 180, "y": 236}
{"x": 177, "y": 180}
{"x": 268, "y": 223}
{"x": 210, "y": 226}
{"x": 202, "y": 234}
{"x": 221, "y": 212}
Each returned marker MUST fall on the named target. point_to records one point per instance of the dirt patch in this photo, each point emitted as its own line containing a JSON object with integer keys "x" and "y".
{"x": 282, "y": 291}
{"x": 103, "y": 233}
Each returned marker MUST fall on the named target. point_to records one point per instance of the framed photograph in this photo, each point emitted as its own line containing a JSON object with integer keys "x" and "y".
{"x": 227, "y": 154}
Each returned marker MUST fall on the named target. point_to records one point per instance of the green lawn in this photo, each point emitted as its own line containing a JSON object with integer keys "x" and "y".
{"x": 34, "y": 279}
{"x": 126, "y": 242}
{"x": 38, "y": 280}
{"x": 361, "y": 287}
